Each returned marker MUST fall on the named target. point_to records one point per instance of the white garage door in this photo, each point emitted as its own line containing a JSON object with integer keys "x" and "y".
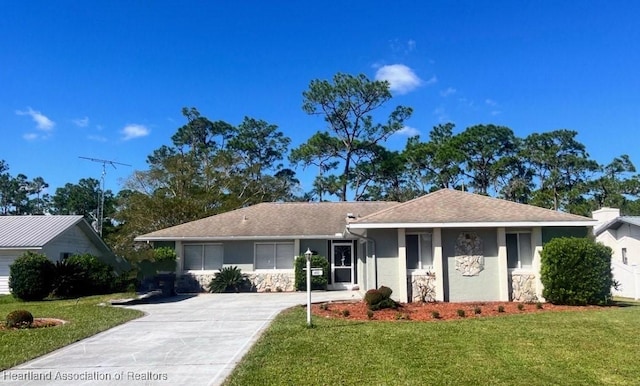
{"x": 5, "y": 261}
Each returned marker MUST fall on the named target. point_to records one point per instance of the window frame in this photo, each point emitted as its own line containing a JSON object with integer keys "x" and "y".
{"x": 625, "y": 258}
{"x": 421, "y": 264}
{"x": 518, "y": 246}
{"x": 275, "y": 255}
{"x": 202, "y": 256}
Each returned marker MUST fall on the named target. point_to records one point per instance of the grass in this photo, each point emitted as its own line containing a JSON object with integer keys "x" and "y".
{"x": 594, "y": 347}
{"x": 84, "y": 316}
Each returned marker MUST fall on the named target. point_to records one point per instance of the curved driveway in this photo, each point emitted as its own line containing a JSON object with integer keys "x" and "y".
{"x": 195, "y": 341}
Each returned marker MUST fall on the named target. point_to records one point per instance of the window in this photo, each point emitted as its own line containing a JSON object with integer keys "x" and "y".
{"x": 419, "y": 254}
{"x": 65, "y": 255}
{"x": 202, "y": 257}
{"x": 274, "y": 256}
{"x": 519, "y": 254}
{"x": 624, "y": 256}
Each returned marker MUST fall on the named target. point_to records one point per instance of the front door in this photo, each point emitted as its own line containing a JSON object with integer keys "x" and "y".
{"x": 342, "y": 265}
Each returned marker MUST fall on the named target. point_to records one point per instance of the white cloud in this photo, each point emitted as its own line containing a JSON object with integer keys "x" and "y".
{"x": 97, "y": 138}
{"x": 408, "y": 131}
{"x": 81, "y": 122}
{"x": 490, "y": 102}
{"x": 42, "y": 122}
{"x": 133, "y": 130}
{"x": 441, "y": 114}
{"x": 411, "y": 44}
{"x": 449, "y": 91}
{"x": 30, "y": 136}
{"x": 432, "y": 80}
{"x": 401, "y": 78}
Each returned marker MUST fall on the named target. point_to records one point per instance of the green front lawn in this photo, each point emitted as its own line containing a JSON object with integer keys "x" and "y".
{"x": 594, "y": 347}
{"x": 84, "y": 316}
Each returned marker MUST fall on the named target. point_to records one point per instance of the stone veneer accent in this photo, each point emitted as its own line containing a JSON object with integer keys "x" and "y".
{"x": 262, "y": 282}
{"x": 523, "y": 287}
{"x": 469, "y": 254}
{"x": 423, "y": 287}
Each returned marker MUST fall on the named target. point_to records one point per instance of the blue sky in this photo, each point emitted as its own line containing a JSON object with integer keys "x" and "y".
{"x": 108, "y": 79}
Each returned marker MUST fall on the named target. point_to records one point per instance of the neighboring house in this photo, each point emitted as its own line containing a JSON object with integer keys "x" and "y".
{"x": 622, "y": 235}
{"x": 447, "y": 245}
{"x": 57, "y": 237}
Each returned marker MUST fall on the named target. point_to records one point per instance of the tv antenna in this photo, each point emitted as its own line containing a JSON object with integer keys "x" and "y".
{"x": 100, "y": 216}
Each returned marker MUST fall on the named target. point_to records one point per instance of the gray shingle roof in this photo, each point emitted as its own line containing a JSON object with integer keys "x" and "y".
{"x": 33, "y": 231}
{"x": 449, "y": 206}
{"x": 295, "y": 219}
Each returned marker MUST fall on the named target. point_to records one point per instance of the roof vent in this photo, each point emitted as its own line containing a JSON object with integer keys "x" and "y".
{"x": 244, "y": 218}
{"x": 351, "y": 215}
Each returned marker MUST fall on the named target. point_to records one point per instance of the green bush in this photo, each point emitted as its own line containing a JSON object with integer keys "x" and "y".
{"x": 500, "y": 309}
{"x": 378, "y": 299}
{"x": 30, "y": 276}
{"x": 385, "y": 291}
{"x": 19, "y": 319}
{"x": 97, "y": 277}
{"x": 317, "y": 282}
{"x": 460, "y": 313}
{"x": 373, "y": 296}
{"x": 520, "y": 307}
{"x": 435, "y": 314}
{"x": 477, "y": 310}
{"x": 229, "y": 279}
{"x": 165, "y": 259}
{"x": 67, "y": 279}
{"x": 576, "y": 271}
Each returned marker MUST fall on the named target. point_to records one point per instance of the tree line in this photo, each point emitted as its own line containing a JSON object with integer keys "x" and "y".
{"x": 211, "y": 167}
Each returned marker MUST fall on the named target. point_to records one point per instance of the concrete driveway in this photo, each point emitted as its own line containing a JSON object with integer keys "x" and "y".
{"x": 194, "y": 341}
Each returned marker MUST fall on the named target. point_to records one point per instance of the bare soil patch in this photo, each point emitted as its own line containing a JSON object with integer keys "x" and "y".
{"x": 435, "y": 311}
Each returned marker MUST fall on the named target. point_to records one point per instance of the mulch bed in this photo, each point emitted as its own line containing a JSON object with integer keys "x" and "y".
{"x": 426, "y": 311}
{"x": 38, "y": 323}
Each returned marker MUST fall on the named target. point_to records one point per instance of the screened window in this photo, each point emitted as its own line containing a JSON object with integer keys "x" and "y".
{"x": 274, "y": 256}
{"x": 419, "y": 254}
{"x": 519, "y": 251}
{"x": 624, "y": 256}
{"x": 202, "y": 257}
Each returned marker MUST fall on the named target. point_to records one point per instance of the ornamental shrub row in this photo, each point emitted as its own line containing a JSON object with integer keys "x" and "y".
{"x": 33, "y": 276}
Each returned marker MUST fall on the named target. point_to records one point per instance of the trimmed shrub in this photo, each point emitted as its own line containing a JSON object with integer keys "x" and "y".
{"x": 520, "y": 307}
{"x": 435, "y": 314}
{"x": 317, "y": 282}
{"x": 19, "y": 319}
{"x": 30, "y": 276}
{"x": 501, "y": 309}
{"x": 477, "y": 310}
{"x": 385, "y": 291}
{"x": 373, "y": 296}
{"x": 576, "y": 271}
{"x": 229, "y": 279}
{"x": 460, "y": 313}
{"x": 369, "y": 314}
{"x": 378, "y": 299}
{"x": 539, "y": 306}
{"x": 346, "y": 313}
{"x": 165, "y": 259}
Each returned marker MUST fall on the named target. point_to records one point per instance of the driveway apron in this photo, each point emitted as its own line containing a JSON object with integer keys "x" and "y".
{"x": 191, "y": 341}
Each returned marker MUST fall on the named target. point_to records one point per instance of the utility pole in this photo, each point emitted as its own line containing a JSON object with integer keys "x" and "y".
{"x": 100, "y": 214}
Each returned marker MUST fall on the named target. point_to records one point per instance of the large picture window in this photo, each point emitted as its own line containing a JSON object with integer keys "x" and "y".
{"x": 274, "y": 256}
{"x": 519, "y": 252}
{"x": 419, "y": 254}
{"x": 202, "y": 257}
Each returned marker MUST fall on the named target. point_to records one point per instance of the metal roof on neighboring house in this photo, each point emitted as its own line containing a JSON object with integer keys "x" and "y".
{"x": 33, "y": 231}
{"x": 273, "y": 219}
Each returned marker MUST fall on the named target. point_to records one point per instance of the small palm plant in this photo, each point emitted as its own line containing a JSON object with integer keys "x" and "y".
{"x": 229, "y": 279}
